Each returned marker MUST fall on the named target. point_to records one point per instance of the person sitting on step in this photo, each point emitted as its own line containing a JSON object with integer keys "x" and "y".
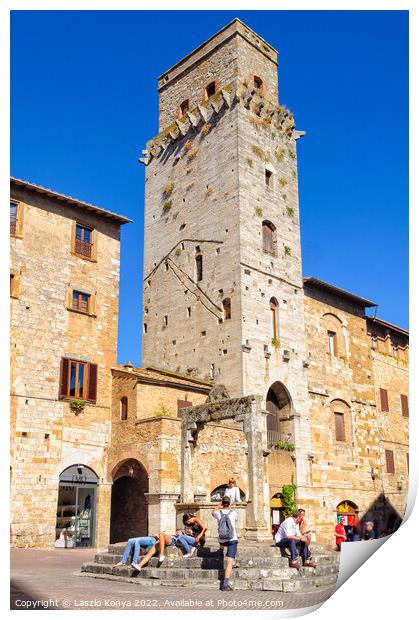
{"x": 136, "y": 544}
{"x": 305, "y": 530}
{"x": 288, "y": 535}
{"x": 190, "y": 543}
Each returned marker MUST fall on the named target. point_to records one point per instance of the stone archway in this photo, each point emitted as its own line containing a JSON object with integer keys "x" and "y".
{"x": 279, "y": 423}
{"x": 129, "y": 510}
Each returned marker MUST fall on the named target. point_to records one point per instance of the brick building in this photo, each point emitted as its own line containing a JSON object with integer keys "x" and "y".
{"x": 224, "y": 303}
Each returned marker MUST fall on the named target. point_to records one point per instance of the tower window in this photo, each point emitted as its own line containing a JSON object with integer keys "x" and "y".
{"x": 184, "y": 107}
{"x": 390, "y": 469}
{"x": 274, "y": 317}
{"x": 166, "y": 320}
{"x": 210, "y": 90}
{"x": 198, "y": 263}
{"x": 227, "y": 308}
{"x": 332, "y": 340}
{"x": 268, "y": 238}
{"x": 268, "y": 178}
{"x": 145, "y": 328}
{"x": 188, "y": 313}
{"x": 124, "y": 408}
{"x": 339, "y": 426}
{"x": 257, "y": 83}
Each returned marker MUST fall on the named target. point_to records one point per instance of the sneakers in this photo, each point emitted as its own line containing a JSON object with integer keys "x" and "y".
{"x": 295, "y": 564}
{"x": 162, "y": 558}
{"x": 227, "y": 587}
{"x": 191, "y": 553}
{"x": 136, "y": 566}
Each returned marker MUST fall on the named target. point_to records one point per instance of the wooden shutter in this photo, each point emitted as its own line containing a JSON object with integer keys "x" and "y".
{"x": 340, "y": 426}
{"x": 182, "y": 404}
{"x": 384, "y": 399}
{"x": 390, "y": 461}
{"x": 63, "y": 391}
{"x": 92, "y": 385}
{"x": 405, "y": 405}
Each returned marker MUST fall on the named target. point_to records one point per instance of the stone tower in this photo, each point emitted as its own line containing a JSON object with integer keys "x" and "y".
{"x": 223, "y": 296}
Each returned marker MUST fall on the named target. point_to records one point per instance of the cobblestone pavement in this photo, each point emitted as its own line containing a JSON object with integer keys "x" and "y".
{"x": 47, "y": 579}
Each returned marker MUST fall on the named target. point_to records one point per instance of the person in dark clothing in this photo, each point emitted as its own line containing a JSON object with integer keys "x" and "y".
{"x": 190, "y": 543}
{"x": 369, "y": 532}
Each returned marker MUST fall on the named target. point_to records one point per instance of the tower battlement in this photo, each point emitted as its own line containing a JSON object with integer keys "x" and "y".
{"x": 234, "y": 54}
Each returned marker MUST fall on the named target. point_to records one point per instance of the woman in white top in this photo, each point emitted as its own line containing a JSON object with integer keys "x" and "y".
{"x": 232, "y": 491}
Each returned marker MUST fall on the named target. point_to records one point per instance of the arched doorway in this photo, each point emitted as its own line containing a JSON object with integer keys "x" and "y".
{"x": 349, "y": 511}
{"x": 76, "y": 508}
{"x": 279, "y": 423}
{"x": 129, "y": 511}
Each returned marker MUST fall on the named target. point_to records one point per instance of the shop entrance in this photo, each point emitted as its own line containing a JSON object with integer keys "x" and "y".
{"x": 349, "y": 511}
{"x": 75, "y": 522}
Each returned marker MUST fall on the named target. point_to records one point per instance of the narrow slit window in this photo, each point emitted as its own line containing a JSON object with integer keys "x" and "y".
{"x": 124, "y": 408}
{"x": 274, "y": 317}
{"x": 331, "y": 336}
{"x": 227, "y": 308}
{"x": 13, "y": 218}
{"x": 199, "y": 267}
{"x": 340, "y": 426}
{"x": 268, "y": 178}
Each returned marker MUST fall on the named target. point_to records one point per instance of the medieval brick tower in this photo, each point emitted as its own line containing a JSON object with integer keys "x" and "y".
{"x": 223, "y": 295}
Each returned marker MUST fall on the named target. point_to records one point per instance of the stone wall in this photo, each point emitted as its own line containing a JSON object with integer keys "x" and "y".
{"x": 348, "y": 383}
{"x": 47, "y": 435}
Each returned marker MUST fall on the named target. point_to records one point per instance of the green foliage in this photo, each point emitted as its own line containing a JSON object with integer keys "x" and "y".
{"x": 168, "y": 190}
{"x": 287, "y": 250}
{"x": 290, "y": 211}
{"x": 283, "y": 182}
{"x": 178, "y": 251}
{"x": 258, "y": 211}
{"x": 77, "y": 405}
{"x": 249, "y": 161}
{"x": 275, "y": 343}
{"x": 291, "y": 153}
{"x": 284, "y": 445}
{"x": 288, "y": 498}
{"x": 163, "y": 411}
{"x": 192, "y": 154}
{"x": 279, "y": 154}
{"x": 168, "y": 205}
{"x": 260, "y": 153}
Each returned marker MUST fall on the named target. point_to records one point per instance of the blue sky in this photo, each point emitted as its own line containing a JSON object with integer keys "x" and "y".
{"x": 84, "y": 103}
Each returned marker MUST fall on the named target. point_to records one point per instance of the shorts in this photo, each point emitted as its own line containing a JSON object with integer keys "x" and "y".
{"x": 231, "y": 548}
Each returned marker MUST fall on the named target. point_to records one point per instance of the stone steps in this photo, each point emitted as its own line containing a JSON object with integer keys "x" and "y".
{"x": 256, "y": 567}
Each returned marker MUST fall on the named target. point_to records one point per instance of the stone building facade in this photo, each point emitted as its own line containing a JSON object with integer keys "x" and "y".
{"x": 224, "y": 303}
{"x": 64, "y": 287}
{"x": 222, "y": 240}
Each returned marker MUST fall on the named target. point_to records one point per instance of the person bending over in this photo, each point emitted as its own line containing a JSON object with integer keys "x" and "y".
{"x": 142, "y": 542}
{"x": 190, "y": 543}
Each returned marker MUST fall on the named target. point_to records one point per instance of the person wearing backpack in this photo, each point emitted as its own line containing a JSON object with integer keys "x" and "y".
{"x": 227, "y": 536}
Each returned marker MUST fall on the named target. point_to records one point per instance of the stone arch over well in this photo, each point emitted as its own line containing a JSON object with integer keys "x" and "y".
{"x": 129, "y": 509}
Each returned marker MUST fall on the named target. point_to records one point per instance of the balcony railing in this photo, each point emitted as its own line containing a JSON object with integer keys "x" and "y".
{"x": 83, "y": 248}
{"x": 13, "y": 225}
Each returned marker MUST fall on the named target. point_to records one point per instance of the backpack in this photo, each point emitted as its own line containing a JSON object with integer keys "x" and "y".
{"x": 225, "y": 528}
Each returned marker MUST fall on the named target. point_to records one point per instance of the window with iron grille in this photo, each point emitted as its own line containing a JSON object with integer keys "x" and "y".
{"x": 83, "y": 241}
{"x": 13, "y": 217}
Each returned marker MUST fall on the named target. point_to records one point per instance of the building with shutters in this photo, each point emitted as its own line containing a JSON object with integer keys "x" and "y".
{"x": 64, "y": 287}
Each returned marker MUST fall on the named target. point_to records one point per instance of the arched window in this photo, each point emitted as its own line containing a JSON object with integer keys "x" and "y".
{"x": 217, "y": 494}
{"x": 274, "y": 317}
{"x": 227, "y": 308}
{"x": 210, "y": 90}
{"x": 279, "y": 425}
{"x": 268, "y": 238}
{"x": 184, "y": 107}
{"x": 124, "y": 408}
{"x": 335, "y": 341}
{"x": 199, "y": 267}
{"x": 257, "y": 82}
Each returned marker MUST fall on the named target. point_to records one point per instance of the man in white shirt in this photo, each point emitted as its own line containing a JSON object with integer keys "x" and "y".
{"x": 288, "y": 535}
{"x": 227, "y": 536}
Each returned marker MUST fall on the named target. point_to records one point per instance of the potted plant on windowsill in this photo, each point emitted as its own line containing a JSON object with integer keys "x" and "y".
{"x": 77, "y": 405}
